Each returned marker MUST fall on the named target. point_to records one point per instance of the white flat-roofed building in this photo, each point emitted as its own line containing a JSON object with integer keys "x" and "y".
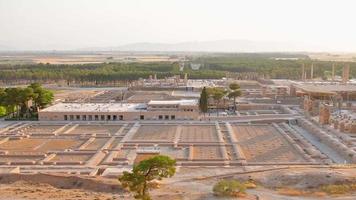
{"x": 174, "y": 105}
{"x": 154, "y": 110}
{"x": 95, "y": 107}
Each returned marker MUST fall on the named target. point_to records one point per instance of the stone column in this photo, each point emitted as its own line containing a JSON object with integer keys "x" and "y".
{"x": 345, "y": 73}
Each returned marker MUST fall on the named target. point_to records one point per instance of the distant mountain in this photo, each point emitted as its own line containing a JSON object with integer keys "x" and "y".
{"x": 6, "y": 48}
{"x": 204, "y": 46}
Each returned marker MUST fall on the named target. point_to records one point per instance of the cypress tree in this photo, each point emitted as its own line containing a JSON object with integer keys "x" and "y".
{"x": 203, "y": 101}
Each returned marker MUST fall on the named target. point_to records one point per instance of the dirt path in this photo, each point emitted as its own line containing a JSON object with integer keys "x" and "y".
{"x": 187, "y": 184}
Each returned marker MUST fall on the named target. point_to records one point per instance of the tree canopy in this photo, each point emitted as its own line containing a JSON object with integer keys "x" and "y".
{"x": 234, "y": 86}
{"x": 16, "y": 100}
{"x": 234, "y": 93}
{"x": 203, "y": 101}
{"x": 213, "y": 66}
{"x": 140, "y": 179}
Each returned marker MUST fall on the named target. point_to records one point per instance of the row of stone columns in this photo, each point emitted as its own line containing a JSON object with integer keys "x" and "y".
{"x": 345, "y": 72}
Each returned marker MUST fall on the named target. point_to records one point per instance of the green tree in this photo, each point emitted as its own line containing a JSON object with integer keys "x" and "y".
{"x": 2, "y": 111}
{"x": 25, "y": 96}
{"x": 236, "y": 92}
{"x": 16, "y": 100}
{"x": 12, "y": 101}
{"x": 234, "y": 86}
{"x": 217, "y": 94}
{"x": 203, "y": 101}
{"x": 140, "y": 179}
{"x": 234, "y": 95}
{"x": 2, "y": 99}
{"x": 42, "y": 97}
{"x": 2, "y": 96}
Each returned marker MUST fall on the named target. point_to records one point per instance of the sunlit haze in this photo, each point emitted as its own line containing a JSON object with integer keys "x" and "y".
{"x": 303, "y": 25}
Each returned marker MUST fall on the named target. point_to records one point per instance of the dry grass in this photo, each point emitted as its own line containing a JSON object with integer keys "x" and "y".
{"x": 291, "y": 192}
{"x": 339, "y": 189}
{"x": 334, "y": 189}
{"x": 229, "y": 188}
{"x": 250, "y": 185}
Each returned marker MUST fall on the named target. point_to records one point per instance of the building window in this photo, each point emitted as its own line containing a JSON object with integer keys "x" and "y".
{"x": 96, "y": 117}
{"x": 102, "y": 117}
{"x": 142, "y": 117}
{"x": 166, "y": 117}
{"x": 108, "y": 117}
{"x": 160, "y": 117}
{"x": 173, "y": 117}
{"x": 121, "y": 117}
{"x": 90, "y": 117}
{"x": 114, "y": 117}
{"x": 77, "y": 117}
{"x": 65, "y": 117}
{"x": 84, "y": 117}
{"x": 71, "y": 117}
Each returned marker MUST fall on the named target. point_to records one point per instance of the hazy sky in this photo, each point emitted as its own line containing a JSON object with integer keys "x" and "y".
{"x": 68, "y": 24}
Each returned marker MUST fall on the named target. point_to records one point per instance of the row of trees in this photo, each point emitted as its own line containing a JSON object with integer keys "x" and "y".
{"x": 218, "y": 94}
{"x": 22, "y": 103}
{"x": 215, "y": 66}
{"x": 98, "y": 73}
{"x": 269, "y": 65}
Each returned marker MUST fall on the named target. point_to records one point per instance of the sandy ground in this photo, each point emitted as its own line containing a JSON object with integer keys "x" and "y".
{"x": 188, "y": 183}
{"x": 61, "y": 187}
{"x": 73, "y": 95}
{"x": 197, "y": 183}
{"x": 22, "y": 190}
{"x": 333, "y": 56}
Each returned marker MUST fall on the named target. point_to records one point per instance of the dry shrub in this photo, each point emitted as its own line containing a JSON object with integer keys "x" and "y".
{"x": 230, "y": 188}
{"x": 338, "y": 189}
{"x": 250, "y": 185}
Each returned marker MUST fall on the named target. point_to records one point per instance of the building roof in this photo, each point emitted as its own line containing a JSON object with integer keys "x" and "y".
{"x": 200, "y": 83}
{"x": 327, "y": 88}
{"x": 183, "y": 102}
{"x": 113, "y": 107}
{"x": 95, "y": 107}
